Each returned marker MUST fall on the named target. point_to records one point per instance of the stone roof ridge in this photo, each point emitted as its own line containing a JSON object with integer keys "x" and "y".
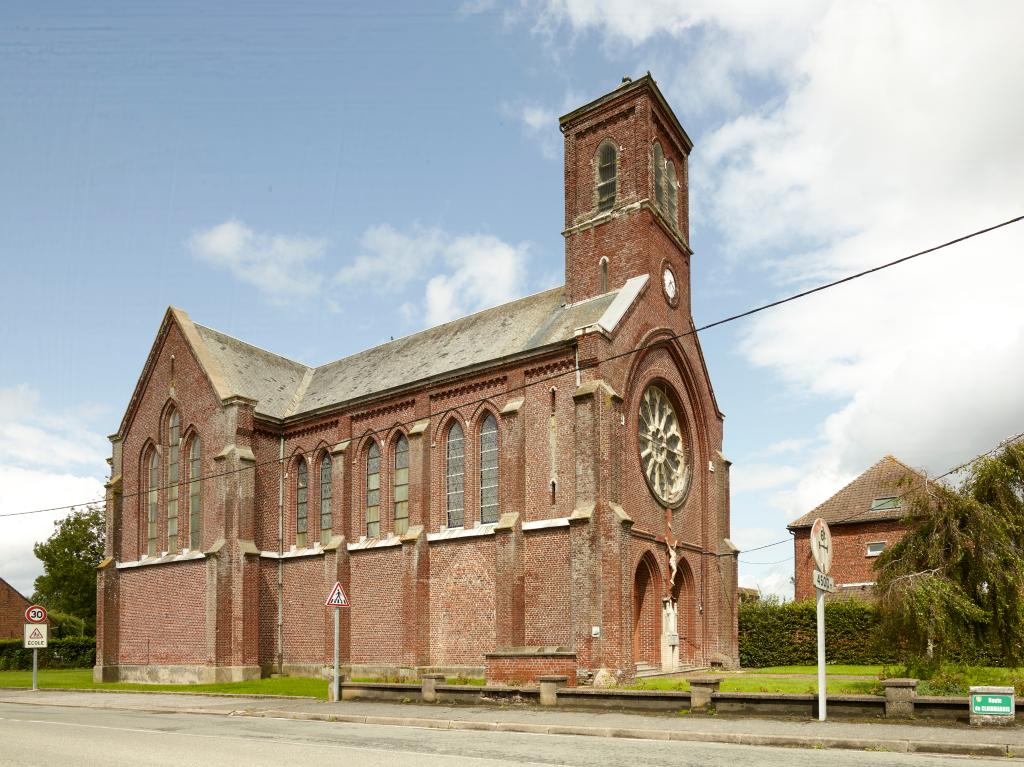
{"x": 300, "y": 391}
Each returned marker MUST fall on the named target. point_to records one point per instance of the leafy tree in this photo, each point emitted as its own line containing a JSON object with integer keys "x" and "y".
{"x": 69, "y": 557}
{"x": 953, "y": 586}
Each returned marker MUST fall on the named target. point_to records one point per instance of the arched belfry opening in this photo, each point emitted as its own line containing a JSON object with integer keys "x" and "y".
{"x": 647, "y": 591}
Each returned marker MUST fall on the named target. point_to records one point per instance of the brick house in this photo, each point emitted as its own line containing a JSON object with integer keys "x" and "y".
{"x": 537, "y": 487}
{"x": 864, "y": 517}
{"x": 12, "y": 611}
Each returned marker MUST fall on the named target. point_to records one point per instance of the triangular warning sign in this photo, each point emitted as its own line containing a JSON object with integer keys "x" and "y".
{"x": 36, "y": 634}
{"x": 338, "y": 597}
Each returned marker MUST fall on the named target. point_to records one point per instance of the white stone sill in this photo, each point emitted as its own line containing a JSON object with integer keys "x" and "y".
{"x": 184, "y": 556}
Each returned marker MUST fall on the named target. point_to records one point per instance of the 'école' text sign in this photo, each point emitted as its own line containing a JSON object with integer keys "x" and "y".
{"x": 35, "y": 635}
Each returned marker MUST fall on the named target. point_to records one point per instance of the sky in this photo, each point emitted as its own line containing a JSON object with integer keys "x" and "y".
{"x": 316, "y": 178}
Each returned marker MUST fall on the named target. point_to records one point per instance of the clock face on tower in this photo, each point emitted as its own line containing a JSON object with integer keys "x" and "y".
{"x": 662, "y": 448}
{"x": 668, "y": 281}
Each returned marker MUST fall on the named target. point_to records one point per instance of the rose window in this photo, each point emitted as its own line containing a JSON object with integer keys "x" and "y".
{"x": 662, "y": 450}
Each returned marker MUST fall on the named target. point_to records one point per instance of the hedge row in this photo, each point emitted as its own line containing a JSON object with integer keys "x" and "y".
{"x": 773, "y": 634}
{"x": 76, "y": 652}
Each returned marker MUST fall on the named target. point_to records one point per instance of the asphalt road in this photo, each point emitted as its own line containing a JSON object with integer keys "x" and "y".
{"x": 48, "y": 736}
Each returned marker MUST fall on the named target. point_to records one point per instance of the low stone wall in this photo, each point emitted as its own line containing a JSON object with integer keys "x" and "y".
{"x": 527, "y": 666}
{"x": 443, "y": 693}
{"x": 670, "y": 701}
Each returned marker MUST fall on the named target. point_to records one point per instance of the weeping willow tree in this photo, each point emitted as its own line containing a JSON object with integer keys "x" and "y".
{"x": 955, "y": 581}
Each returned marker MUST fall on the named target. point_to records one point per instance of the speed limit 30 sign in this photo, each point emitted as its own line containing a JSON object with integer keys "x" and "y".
{"x": 35, "y": 614}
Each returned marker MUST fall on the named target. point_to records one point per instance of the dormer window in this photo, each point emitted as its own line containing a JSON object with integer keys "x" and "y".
{"x": 885, "y": 503}
{"x": 607, "y": 172}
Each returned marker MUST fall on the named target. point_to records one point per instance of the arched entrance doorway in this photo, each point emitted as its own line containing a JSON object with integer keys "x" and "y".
{"x": 647, "y": 612}
{"x": 686, "y": 615}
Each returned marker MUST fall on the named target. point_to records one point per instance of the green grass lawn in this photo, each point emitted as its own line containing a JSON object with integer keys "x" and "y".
{"x": 742, "y": 683}
{"x": 836, "y": 669}
{"x": 82, "y": 679}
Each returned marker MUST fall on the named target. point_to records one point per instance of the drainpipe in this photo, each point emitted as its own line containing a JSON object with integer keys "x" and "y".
{"x": 280, "y": 561}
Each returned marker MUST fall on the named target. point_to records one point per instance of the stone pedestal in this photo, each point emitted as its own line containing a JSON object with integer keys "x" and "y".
{"x": 669, "y": 637}
{"x": 701, "y": 690}
{"x": 993, "y": 706}
{"x": 430, "y": 682}
{"x": 899, "y": 698}
{"x": 549, "y": 685}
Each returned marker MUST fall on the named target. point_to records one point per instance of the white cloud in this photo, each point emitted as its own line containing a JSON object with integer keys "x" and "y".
{"x": 482, "y": 271}
{"x": 389, "y": 260}
{"x": 46, "y": 459}
{"x": 278, "y": 265}
{"x": 869, "y": 158}
{"x": 747, "y": 477}
{"x": 458, "y": 274}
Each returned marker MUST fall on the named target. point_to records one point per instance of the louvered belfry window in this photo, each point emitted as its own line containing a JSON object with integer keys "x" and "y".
{"x": 607, "y": 172}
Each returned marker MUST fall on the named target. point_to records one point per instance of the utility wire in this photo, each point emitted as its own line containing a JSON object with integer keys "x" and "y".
{"x": 589, "y": 365}
{"x": 862, "y": 512}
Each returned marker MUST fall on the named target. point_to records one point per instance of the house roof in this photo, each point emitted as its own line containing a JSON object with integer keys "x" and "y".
{"x": 852, "y": 504}
{"x": 283, "y": 388}
{"x": 4, "y": 583}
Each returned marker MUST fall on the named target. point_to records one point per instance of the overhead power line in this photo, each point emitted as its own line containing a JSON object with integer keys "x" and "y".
{"x": 587, "y": 366}
{"x": 863, "y": 512}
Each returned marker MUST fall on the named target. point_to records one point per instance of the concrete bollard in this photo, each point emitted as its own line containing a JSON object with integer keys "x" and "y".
{"x": 549, "y": 688}
{"x": 899, "y": 698}
{"x": 701, "y": 690}
{"x": 430, "y": 682}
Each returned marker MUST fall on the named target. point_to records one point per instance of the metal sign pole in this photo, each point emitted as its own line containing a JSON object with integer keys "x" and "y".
{"x": 337, "y": 631}
{"x": 35, "y": 669}
{"x": 821, "y": 653}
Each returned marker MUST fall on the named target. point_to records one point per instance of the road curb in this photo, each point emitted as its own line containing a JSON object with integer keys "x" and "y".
{"x": 737, "y": 738}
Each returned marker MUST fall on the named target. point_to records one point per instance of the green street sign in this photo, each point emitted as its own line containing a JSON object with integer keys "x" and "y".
{"x": 992, "y": 705}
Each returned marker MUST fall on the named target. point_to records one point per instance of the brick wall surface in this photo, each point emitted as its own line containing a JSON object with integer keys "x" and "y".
{"x": 12, "y": 611}
{"x": 528, "y": 669}
{"x": 850, "y": 562}
{"x": 462, "y": 604}
{"x": 570, "y": 449}
{"x": 163, "y": 614}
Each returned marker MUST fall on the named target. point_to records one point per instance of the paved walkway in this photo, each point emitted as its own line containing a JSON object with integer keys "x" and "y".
{"x": 875, "y": 736}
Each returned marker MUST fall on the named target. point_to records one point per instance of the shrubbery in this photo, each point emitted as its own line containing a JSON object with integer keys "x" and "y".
{"x": 774, "y": 634}
{"x": 76, "y": 652}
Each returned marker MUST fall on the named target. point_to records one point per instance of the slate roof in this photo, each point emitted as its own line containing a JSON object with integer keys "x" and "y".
{"x": 284, "y": 388}
{"x": 852, "y": 504}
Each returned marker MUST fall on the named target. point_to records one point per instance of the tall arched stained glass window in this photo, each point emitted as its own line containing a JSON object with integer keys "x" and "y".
{"x": 455, "y": 476}
{"x": 195, "y": 496}
{"x": 325, "y": 500}
{"x": 173, "y": 475}
{"x": 373, "y": 491}
{"x": 400, "y": 485}
{"x": 489, "y": 470}
{"x": 152, "y": 493}
{"x": 301, "y": 503}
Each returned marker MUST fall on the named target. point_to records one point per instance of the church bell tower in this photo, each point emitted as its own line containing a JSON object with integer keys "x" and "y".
{"x": 626, "y": 194}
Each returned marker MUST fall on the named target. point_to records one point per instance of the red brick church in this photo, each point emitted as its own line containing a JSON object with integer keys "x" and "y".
{"x": 537, "y": 487}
